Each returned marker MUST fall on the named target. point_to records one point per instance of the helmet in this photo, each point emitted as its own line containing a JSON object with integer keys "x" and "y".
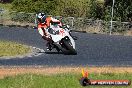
{"x": 41, "y": 17}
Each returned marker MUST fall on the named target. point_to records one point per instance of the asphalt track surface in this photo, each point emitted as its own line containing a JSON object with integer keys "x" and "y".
{"x": 93, "y": 49}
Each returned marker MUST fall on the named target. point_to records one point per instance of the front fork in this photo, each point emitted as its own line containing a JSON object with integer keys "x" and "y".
{"x": 74, "y": 37}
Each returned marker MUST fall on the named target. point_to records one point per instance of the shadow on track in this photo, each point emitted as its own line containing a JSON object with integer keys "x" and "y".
{"x": 53, "y": 52}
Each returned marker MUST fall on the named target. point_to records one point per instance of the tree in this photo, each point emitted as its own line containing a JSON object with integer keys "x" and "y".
{"x": 108, "y": 2}
{"x": 122, "y": 9}
{"x": 96, "y": 9}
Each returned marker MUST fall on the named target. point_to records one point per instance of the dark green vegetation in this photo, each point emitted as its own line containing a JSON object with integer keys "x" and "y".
{"x": 78, "y": 8}
{"x": 58, "y": 81}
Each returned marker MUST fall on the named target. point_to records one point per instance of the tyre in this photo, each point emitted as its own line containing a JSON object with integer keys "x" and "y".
{"x": 58, "y": 50}
{"x": 69, "y": 48}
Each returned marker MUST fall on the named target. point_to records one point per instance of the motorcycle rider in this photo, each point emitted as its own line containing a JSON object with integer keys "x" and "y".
{"x": 43, "y": 23}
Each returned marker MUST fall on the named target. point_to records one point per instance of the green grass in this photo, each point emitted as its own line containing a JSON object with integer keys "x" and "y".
{"x": 6, "y": 14}
{"x": 58, "y": 81}
{"x": 12, "y": 49}
{"x": 5, "y": 6}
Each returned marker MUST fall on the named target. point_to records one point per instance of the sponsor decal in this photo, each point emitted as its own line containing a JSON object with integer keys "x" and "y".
{"x": 62, "y": 32}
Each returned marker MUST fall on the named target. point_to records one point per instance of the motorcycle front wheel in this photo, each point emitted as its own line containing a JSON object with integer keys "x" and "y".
{"x": 68, "y": 48}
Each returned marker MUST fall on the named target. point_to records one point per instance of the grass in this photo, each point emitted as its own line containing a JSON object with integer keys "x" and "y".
{"x": 66, "y": 80}
{"x": 5, "y": 16}
{"x": 5, "y": 6}
{"x": 12, "y": 49}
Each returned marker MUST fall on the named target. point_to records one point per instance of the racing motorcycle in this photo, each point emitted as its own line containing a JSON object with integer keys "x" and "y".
{"x": 61, "y": 39}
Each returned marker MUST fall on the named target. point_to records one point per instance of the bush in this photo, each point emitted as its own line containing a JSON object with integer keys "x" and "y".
{"x": 96, "y": 9}
{"x": 34, "y": 5}
{"x": 52, "y": 7}
{"x": 22, "y": 17}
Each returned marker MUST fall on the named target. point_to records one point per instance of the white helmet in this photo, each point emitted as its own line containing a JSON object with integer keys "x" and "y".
{"x": 41, "y": 17}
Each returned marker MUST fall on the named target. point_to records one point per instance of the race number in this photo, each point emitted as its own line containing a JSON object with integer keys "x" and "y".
{"x": 62, "y": 32}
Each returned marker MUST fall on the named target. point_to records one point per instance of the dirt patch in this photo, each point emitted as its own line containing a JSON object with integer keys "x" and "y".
{"x": 129, "y": 32}
{"x": 12, "y": 71}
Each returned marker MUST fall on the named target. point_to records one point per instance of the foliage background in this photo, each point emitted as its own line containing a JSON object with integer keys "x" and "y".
{"x": 96, "y": 9}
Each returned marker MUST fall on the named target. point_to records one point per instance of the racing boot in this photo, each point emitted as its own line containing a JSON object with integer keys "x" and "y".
{"x": 49, "y": 46}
